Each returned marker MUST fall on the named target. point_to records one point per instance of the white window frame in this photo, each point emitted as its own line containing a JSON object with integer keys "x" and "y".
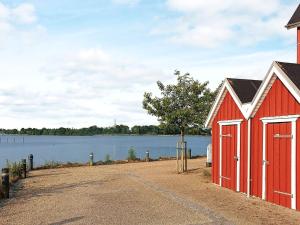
{"x": 281, "y": 119}
{"x": 238, "y": 149}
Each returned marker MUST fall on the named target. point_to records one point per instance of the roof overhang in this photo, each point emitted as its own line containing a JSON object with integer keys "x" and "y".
{"x": 293, "y": 25}
{"x": 226, "y": 87}
{"x": 274, "y": 72}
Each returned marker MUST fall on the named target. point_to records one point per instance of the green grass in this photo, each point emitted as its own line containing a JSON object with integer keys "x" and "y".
{"x": 15, "y": 169}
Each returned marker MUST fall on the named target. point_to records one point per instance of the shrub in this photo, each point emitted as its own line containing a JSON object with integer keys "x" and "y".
{"x": 131, "y": 154}
{"x": 15, "y": 169}
{"x": 51, "y": 164}
{"x": 107, "y": 159}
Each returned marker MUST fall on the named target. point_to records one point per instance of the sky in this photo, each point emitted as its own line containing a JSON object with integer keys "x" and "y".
{"x": 75, "y": 63}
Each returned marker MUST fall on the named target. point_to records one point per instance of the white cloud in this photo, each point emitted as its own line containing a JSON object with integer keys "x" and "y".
{"x": 24, "y": 13}
{"x": 213, "y": 23}
{"x": 83, "y": 88}
{"x": 126, "y": 2}
{"x": 18, "y": 24}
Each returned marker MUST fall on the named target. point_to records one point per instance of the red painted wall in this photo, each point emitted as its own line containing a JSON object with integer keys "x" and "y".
{"x": 229, "y": 111}
{"x": 298, "y": 45}
{"x": 278, "y": 102}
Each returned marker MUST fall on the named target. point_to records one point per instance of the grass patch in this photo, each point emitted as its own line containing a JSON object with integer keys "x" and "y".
{"x": 206, "y": 173}
{"x": 15, "y": 170}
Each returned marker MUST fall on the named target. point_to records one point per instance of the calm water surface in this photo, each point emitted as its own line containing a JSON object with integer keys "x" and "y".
{"x": 77, "y": 149}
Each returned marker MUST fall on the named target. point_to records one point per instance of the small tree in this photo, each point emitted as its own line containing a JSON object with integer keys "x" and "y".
{"x": 185, "y": 104}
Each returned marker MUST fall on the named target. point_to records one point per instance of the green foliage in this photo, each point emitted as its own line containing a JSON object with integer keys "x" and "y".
{"x": 131, "y": 154}
{"x": 162, "y": 129}
{"x": 51, "y": 164}
{"x": 184, "y": 105}
{"x": 93, "y": 130}
{"x": 15, "y": 169}
{"x": 107, "y": 158}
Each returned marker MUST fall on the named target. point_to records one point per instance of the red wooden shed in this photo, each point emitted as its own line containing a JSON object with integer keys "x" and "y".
{"x": 256, "y": 133}
{"x": 275, "y": 129}
{"x": 230, "y": 133}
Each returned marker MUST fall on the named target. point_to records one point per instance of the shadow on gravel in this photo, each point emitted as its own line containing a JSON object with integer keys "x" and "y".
{"x": 47, "y": 174}
{"x": 66, "y": 221}
{"x": 55, "y": 189}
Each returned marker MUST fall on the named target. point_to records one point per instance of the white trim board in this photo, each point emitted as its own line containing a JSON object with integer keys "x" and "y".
{"x": 274, "y": 72}
{"x": 238, "y": 150}
{"x": 249, "y": 109}
{"x": 281, "y": 119}
{"x": 226, "y": 87}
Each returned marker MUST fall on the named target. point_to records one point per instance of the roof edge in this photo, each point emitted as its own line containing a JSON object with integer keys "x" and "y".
{"x": 225, "y": 85}
{"x": 293, "y": 25}
{"x": 280, "y": 74}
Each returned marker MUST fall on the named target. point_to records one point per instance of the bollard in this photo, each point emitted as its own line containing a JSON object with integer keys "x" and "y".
{"x": 30, "y": 161}
{"x": 24, "y": 167}
{"x": 208, "y": 156}
{"x": 190, "y": 153}
{"x": 147, "y": 156}
{"x": 91, "y": 159}
{"x": 5, "y": 182}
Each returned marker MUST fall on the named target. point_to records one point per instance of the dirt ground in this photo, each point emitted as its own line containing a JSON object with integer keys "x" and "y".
{"x": 135, "y": 193}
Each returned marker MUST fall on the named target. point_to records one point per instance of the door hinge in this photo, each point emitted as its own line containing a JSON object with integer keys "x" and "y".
{"x": 266, "y": 162}
{"x": 225, "y": 135}
{"x": 283, "y": 193}
{"x": 283, "y": 136}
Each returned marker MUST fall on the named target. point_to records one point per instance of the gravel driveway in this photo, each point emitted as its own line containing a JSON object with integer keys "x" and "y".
{"x": 136, "y": 193}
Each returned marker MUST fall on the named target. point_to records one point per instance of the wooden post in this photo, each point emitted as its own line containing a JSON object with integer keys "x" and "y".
{"x": 24, "y": 168}
{"x": 91, "y": 159}
{"x": 177, "y": 157}
{"x": 190, "y": 153}
{"x": 185, "y": 157}
{"x": 147, "y": 156}
{"x": 30, "y": 161}
{"x": 5, "y": 182}
{"x": 182, "y": 158}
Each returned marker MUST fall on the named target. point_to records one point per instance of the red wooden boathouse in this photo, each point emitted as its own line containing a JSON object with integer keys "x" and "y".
{"x": 256, "y": 133}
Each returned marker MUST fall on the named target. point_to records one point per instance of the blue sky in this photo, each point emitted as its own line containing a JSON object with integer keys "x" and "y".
{"x": 80, "y": 63}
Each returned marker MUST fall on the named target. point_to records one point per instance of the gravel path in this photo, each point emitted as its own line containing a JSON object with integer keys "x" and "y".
{"x": 136, "y": 193}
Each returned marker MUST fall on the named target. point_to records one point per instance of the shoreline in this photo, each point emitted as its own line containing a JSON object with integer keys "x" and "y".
{"x": 129, "y": 135}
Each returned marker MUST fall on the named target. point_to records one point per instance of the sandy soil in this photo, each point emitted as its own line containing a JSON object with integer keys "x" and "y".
{"x": 136, "y": 193}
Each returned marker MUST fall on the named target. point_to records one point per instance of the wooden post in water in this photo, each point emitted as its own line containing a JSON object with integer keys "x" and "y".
{"x": 91, "y": 159}
{"x": 5, "y": 182}
{"x": 24, "y": 170}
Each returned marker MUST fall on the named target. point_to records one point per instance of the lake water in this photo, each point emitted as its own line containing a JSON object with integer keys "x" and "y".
{"x": 77, "y": 149}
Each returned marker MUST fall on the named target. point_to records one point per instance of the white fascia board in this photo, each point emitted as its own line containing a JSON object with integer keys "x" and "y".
{"x": 277, "y": 71}
{"x": 217, "y": 103}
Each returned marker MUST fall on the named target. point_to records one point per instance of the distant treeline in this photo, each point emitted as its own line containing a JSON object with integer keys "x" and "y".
{"x": 94, "y": 130}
